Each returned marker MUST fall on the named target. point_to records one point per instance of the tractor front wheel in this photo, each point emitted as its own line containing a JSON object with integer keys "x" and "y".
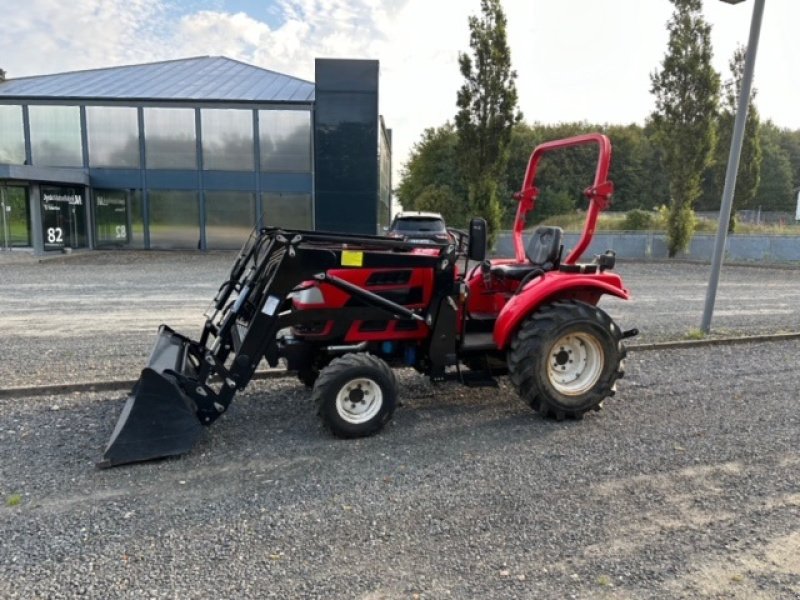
{"x": 355, "y": 395}
{"x": 566, "y": 358}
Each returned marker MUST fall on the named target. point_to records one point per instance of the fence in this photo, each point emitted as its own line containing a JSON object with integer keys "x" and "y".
{"x": 653, "y": 245}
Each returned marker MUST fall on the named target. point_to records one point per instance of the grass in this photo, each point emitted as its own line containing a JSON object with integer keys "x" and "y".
{"x": 13, "y": 500}
{"x": 695, "y": 334}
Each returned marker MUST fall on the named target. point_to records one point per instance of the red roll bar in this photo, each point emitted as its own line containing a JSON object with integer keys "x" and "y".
{"x": 598, "y": 193}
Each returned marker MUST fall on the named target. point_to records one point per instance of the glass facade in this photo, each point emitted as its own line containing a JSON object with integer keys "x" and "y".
{"x": 170, "y": 138}
{"x": 385, "y": 180}
{"x": 113, "y": 135}
{"x": 15, "y": 224}
{"x": 12, "y": 135}
{"x": 227, "y": 139}
{"x": 288, "y": 210}
{"x": 230, "y": 217}
{"x": 56, "y": 136}
{"x": 181, "y": 173}
{"x": 174, "y": 219}
{"x": 285, "y": 140}
{"x": 118, "y": 218}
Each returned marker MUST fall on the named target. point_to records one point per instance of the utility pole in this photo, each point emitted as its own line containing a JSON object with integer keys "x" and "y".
{"x": 733, "y": 161}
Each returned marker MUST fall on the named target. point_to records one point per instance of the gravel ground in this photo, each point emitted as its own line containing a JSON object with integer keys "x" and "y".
{"x": 685, "y": 486}
{"x": 93, "y": 316}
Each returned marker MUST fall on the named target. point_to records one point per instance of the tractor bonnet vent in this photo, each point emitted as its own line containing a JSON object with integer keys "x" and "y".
{"x": 389, "y": 278}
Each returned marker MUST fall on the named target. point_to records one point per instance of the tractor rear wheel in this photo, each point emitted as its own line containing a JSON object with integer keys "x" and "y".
{"x": 355, "y": 395}
{"x": 566, "y": 358}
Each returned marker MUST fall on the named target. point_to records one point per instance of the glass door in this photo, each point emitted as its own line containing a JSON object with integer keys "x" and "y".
{"x": 15, "y": 224}
{"x": 63, "y": 218}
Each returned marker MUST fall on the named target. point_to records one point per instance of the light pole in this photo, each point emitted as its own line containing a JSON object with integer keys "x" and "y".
{"x": 733, "y": 160}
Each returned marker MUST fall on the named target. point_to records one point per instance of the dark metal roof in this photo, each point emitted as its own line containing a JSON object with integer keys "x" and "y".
{"x": 202, "y": 78}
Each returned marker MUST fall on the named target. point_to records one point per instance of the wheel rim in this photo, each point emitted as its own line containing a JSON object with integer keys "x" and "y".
{"x": 574, "y": 363}
{"x": 359, "y": 400}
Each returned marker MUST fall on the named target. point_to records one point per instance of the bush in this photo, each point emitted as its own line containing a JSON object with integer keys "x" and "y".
{"x": 637, "y": 220}
{"x": 680, "y": 228}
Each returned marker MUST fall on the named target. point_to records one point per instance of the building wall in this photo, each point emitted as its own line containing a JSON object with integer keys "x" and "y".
{"x": 346, "y": 170}
{"x": 174, "y": 175}
{"x": 181, "y": 174}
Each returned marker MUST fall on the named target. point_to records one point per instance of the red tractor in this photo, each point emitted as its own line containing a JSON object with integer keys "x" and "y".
{"x": 343, "y": 310}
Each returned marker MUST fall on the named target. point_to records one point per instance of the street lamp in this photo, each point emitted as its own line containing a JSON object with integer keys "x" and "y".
{"x": 733, "y": 160}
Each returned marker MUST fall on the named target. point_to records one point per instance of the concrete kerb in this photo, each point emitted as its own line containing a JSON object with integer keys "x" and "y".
{"x": 102, "y": 386}
{"x": 98, "y": 386}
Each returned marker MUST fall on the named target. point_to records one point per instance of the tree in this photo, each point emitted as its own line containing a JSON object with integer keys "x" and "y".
{"x": 749, "y": 174}
{"x": 433, "y": 162}
{"x": 631, "y": 179}
{"x": 687, "y": 94}
{"x": 441, "y": 199}
{"x": 790, "y": 142}
{"x": 487, "y": 111}
{"x": 775, "y": 188}
{"x": 561, "y": 176}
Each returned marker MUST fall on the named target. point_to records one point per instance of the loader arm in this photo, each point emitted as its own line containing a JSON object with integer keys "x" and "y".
{"x": 188, "y": 384}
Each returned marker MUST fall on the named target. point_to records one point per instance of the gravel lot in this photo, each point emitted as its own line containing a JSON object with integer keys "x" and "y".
{"x": 94, "y": 316}
{"x": 685, "y": 486}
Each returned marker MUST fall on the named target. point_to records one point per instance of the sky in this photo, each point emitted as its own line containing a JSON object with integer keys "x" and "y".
{"x": 576, "y": 60}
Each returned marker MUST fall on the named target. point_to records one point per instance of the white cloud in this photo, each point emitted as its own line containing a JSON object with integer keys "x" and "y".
{"x": 46, "y": 36}
{"x": 576, "y": 59}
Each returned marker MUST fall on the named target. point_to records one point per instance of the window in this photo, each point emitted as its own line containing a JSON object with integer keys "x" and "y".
{"x": 288, "y": 210}
{"x": 174, "y": 219}
{"x": 118, "y": 218}
{"x": 230, "y": 217}
{"x": 15, "y": 224}
{"x": 285, "y": 140}
{"x": 12, "y": 135}
{"x": 227, "y": 139}
{"x": 56, "y": 136}
{"x": 113, "y": 134}
{"x": 170, "y": 141}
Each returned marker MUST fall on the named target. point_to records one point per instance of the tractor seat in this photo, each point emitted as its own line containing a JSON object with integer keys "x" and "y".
{"x": 543, "y": 254}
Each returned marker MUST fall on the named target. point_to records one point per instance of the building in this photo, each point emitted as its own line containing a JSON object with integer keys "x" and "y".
{"x": 190, "y": 153}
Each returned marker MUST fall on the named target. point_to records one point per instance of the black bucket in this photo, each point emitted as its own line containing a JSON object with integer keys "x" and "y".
{"x": 158, "y": 419}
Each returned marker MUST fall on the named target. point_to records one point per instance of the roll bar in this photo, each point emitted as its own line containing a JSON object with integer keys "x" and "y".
{"x": 598, "y": 193}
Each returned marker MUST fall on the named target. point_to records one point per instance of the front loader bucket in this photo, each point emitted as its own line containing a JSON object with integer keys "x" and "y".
{"x": 158, "y": 421}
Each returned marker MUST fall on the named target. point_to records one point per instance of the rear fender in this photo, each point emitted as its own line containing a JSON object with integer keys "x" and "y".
{"x": 555, "y": 285}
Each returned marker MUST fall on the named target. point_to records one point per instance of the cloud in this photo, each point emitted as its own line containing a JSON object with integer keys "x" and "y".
{"x": 576, "y": 60}
{"x": 413, "y": 39}
{"x": 50, "y": 36}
